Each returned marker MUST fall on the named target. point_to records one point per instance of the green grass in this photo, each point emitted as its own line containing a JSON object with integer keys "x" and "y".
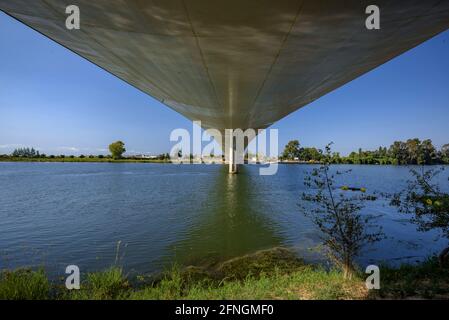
{"x": 305, "y": 283}
{"x": 24, "y": 284}
{"x": 273, "y": 274}
{"x": 270, "y": 274}
{"x": 425, "y": 280}
{"x": 106, "y": 285}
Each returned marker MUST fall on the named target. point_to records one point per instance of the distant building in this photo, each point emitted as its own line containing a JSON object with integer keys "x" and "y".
{"x": 142, "y": 156}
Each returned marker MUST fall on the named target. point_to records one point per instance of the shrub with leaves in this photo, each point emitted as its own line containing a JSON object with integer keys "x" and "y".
{"x": 429, "y": 205}
{"x": 344, "y": 229}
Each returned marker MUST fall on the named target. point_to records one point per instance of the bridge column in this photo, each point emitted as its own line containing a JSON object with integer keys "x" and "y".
{"x": 233, "y": 166}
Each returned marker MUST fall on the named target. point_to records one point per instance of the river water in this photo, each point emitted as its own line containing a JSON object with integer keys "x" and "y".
{"x": 146, "y": 217}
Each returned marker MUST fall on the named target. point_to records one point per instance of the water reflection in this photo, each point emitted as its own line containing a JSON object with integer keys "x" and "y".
{"x": 230, "y": 223}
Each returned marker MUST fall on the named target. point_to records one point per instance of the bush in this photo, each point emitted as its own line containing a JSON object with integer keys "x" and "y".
{"x": 427, "y": 202}
{"x": 345, "y": 231}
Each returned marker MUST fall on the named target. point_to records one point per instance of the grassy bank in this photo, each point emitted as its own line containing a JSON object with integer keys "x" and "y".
{"x": 273, "y": 274}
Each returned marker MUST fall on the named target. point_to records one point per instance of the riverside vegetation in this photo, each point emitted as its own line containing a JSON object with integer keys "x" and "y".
{"x": 269, "y": 274}
{"x": 412, "y": 151}
{"x": 117, "y": 149}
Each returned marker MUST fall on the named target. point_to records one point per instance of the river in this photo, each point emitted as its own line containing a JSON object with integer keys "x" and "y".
{"x": 146, "y": 217}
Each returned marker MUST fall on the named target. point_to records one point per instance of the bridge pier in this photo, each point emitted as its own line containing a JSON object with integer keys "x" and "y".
{"x": 233, "y": 166}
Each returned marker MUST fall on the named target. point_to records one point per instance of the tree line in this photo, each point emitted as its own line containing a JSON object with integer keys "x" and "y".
{"x": 412, "y": 151}
{"x": 26, "y": 152}
{"x": 117, "y": 149}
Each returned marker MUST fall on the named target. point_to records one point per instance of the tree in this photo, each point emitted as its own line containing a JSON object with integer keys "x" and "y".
{"x": 427, "y": 152}
{"x": 291, "y": 150}
{"x": 336, "y": 157}
{"x": 164, "y": 156}
{"x": 413, "y": 146}
{"x": 25, "y": 153}
{"x": 344, "y": 230}
{"x": 445, "y": 152}
{"x": 117, "y": 149}
{"x": 429, "y": 205}
{"x": 398, "y": 151}
{"x": 307, "y": 154}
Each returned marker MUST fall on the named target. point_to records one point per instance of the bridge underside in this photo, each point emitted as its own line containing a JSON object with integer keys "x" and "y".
{"x": 233, "y": 63}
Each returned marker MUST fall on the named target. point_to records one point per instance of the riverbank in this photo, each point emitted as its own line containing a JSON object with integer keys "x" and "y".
{"x": 108, "y": 159}
{"x": 78, "y": 159}
{"x": 269, "y": 274}
{"x": 134, "y": 160}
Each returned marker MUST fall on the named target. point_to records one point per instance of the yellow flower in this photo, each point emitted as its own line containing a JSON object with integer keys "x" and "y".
{"x": 429, "y": 202}
{"x": 437, "y": 203}
{"x": 363, "y": 189}
{"x": 345, "y": 188}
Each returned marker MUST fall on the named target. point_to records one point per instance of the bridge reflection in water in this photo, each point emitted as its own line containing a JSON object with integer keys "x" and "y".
{"x": 229, "y": 224}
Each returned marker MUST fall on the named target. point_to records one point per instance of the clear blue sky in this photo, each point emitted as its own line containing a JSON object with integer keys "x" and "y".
{"x": 55, "y": 101}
